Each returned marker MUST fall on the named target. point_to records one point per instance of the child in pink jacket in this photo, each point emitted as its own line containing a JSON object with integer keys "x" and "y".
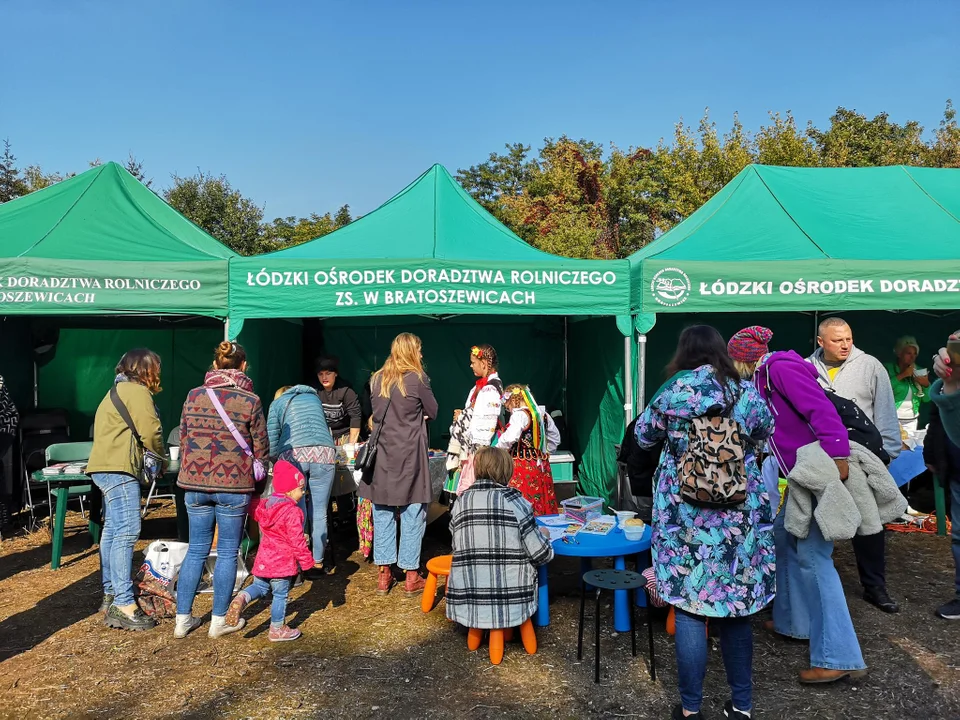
{"x": 282, "y": 548}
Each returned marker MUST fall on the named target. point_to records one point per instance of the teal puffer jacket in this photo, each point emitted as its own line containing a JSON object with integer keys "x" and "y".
{"x": 296, "y": 420}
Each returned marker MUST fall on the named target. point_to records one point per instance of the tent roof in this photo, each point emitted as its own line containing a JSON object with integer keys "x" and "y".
{"x": 838, "y": 213}
{"x": 429, "y": 250}
{"x": 784, "y": 223}
{"x": 102, "y": 243}
{"x": 102, "y": 214}
{"x": 433, "y": 217}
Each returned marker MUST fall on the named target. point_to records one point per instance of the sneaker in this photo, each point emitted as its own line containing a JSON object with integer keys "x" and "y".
{"x": 105, "y": 605}
{"x": 879, "y": 597}
{"x": 730, "y": 712}
{"x": 678, "y": 714}
{"x": 232, "y": 617}
{"x": 951, "y": 610}
{"x": 186, "y": 627}
{"x": 118, "y": 619}
{"x": 219, "y": 628}
{"x": 284, "y": 633}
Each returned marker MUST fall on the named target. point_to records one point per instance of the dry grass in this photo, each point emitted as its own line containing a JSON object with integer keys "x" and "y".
{"x": 367, "y": 656}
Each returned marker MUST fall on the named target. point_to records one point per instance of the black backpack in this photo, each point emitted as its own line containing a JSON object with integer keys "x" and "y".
{"x": 859, "y": 427}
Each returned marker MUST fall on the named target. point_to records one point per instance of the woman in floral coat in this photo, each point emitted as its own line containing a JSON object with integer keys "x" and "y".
{"x": 709, "y": 563}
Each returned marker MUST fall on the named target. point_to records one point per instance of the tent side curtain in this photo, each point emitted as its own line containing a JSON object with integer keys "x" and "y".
{"x": 596, "y": 397}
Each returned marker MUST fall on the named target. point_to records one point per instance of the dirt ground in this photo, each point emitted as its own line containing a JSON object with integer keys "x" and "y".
{"x": 366, "y": 656}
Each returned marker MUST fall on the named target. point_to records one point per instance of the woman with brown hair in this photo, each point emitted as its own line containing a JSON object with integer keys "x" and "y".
{"x": 400, "y": 480}
{"x": 223, "y": 436}
{"x": 115, "y": 465}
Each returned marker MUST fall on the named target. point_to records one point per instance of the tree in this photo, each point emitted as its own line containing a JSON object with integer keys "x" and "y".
{"x": 854, "y": 141}
{"x": 36, "y": 179}
{"x": 782, "y": 143}
{"x": 213, "y": 204}
{"x": 342, "y": 218}
{"x": 11, "y": 184}
{"x": 290, "y": 231}
{"x": 562, "y": 208}
{"x": 944, "y": 151}
{"x": 135, "y": 168}
{"x": 637, "y": 207}
{"x": 501, "y": 176}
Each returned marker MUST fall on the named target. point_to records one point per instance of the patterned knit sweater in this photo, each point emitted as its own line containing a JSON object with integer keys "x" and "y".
{"x": 211, "y": 460}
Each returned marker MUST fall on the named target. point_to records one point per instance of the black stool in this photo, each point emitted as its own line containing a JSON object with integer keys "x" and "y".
{"x": 601, "y": 580}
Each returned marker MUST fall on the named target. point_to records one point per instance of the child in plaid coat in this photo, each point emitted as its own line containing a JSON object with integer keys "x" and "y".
{"x": 497, "y": 549}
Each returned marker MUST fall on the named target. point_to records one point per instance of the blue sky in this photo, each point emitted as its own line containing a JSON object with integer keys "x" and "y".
{"x": 309, "y": 105}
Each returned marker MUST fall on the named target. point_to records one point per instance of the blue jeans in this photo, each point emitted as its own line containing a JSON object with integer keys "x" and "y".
{"x": 955, "y": 528}
{"x": 810, "y": 602}
{"x": 320, "y": 482}
{"x": 121, "y": 530}
{"x": 736, "y": 647}
{"x": 278, "y": 605}
{"x": 205, "y": 509}
{"x": 413, "y": 522}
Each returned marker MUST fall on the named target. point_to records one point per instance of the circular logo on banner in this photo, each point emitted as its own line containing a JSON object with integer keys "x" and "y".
{"x": 670, "y": 287}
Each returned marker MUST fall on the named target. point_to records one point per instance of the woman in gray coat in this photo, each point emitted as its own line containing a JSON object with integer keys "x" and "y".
{"x": 402, "y": 404}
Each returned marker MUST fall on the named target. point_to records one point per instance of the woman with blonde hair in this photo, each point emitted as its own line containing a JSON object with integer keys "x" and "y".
{"x": 115, "y": 464}
{"x": 400, "y": 479}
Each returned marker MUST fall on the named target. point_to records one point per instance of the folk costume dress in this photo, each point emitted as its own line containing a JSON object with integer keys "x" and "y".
{"x": 526, "y": 438}
{"x": 474, "y": 429}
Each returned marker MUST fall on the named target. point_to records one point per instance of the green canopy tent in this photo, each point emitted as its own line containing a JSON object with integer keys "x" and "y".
{"x": 815, "y": 240}
{"x": 102, "y": 243}
{"x": 91, "y": 267}
{"x": 799, "y": 243}
{"x": 433, "y": 253}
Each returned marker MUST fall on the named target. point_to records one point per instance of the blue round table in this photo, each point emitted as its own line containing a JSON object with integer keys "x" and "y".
{"x": 586, "y": 547}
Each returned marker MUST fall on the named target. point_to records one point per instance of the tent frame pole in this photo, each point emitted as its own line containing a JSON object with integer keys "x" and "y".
{"x": 226, "y": 329}
{"x": 566, "y": 366}
{"x": 628, "y": 379}
{"x": 641, "y": 373}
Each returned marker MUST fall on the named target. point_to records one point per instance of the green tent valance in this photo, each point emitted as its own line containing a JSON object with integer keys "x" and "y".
{"x": 102, "y": 243}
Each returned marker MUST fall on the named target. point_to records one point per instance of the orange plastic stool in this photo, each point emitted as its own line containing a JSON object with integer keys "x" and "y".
{"x": 497, "y": 638}
{"x": 436, "y": 567}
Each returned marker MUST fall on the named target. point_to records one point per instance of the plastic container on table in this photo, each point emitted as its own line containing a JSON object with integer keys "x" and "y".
{"x": 583, "y": 508}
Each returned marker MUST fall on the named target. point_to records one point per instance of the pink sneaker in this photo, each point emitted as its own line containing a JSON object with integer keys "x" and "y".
{"x": 284, "y": 633}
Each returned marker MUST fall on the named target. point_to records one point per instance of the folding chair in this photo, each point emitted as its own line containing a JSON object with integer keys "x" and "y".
{"x": 38, "y": 431}
{"x": 173, "y": 440}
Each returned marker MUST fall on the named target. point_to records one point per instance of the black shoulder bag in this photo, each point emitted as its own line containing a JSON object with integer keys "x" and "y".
{"x": 147, "y": 464}
{"x": 367, "y": 455}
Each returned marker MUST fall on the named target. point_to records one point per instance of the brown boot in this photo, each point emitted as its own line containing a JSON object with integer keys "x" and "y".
{"x": 385, "y": 580}
{"x": 822, "y": 676}
{"x": 414, "y": 584}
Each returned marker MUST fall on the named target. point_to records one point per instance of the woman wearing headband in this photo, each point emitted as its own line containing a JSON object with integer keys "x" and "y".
{"x": 475, "y": 425}
{"x": 530, "y": 437}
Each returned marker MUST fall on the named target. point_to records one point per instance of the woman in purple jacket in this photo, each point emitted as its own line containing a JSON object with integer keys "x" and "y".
{"x": 810, "y": 603}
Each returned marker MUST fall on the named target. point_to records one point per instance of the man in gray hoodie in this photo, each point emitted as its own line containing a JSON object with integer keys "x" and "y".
{"x": 859, "y": 377}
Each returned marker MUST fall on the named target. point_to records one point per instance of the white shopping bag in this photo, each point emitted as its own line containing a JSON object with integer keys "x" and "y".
{"x": 163, "y": 559}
